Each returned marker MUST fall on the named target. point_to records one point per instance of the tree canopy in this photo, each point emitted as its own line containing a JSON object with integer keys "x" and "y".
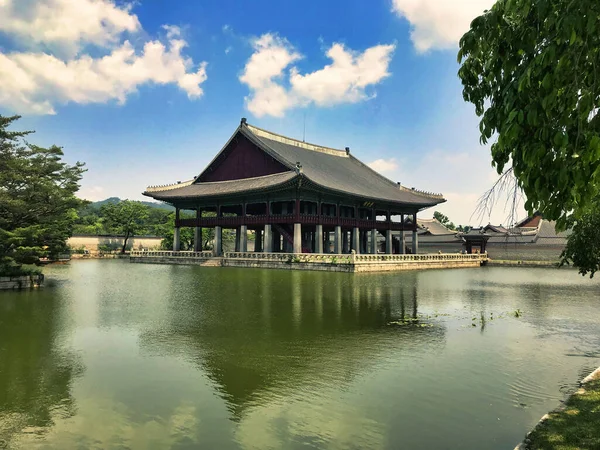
{"x": 531, "y": 68}
{"x": 37, "y": 199}
{"x": 126, "y": 218}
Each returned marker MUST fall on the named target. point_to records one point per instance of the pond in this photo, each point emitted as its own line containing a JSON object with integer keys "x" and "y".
{"x": 119, "y": 355}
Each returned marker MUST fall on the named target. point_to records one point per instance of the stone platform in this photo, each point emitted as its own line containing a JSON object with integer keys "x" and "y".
{"x": 350, "y": 263}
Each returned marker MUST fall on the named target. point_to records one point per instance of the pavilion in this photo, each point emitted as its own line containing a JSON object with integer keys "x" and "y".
{"x": 297, "y": 197}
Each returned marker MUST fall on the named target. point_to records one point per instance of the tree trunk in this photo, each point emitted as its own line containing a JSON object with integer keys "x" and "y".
{"x": 125, "y": 243}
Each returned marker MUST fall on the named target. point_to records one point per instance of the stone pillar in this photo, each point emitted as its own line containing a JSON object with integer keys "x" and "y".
{"x": 258, "y": 244}
{"x": 297, "y": 238}
{"x": 402, "y": 243}
{"x": 268, "y": 245}
{"x": 356, "y": 240}
{"x": 319, "y": 239}
{"x": 373, "y": 241}
{"x": 243, "y": 238}
{"x": 217, "y": 250}
{"x": 327, "y": 248}
{"x": 415, "y": 242}
{"x": 345, "y": 248}
{"x": 415, "y": 236}
{"x": 337, "y": 240}
{"x": 176, "y": 242}
{"x": 388, "y": 242}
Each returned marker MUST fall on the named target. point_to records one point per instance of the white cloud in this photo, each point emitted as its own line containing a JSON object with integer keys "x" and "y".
{"x": 67, "y": 23}
{"x": 439, "y": 24}
{"x": 343, "y": 81}
{"x": 263, "y": 70}
{"x": 35, "y": 81}
{"x": 384, "y": 165}
{"x": 228, "y": 50}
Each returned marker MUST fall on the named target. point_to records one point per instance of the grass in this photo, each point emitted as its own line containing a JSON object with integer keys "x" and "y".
{"x": 577, "y": 426}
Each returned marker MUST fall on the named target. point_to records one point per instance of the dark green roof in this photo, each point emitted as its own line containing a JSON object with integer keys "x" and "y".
{"x": 323, "y": 167}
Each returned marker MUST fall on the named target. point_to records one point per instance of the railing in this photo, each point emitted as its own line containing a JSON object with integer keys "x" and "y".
{"x": 169, "y": 254}
{"x": 293, "y": 257}
{"x": 329, "y": 258}
{"x": 422, "y": 257}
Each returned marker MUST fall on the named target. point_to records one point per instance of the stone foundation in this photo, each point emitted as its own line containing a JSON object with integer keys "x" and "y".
{"x": 349, "y": 263}
{"x": 24, "y": 282}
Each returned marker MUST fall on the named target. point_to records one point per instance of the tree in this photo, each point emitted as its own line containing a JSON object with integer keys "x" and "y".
{"x": 443, "y": 219}
{"x": 186, "y": 235}
{"x": 37, "y": 200}
{"x": 531, "y": 68}
{"x": 583, "y": 245}
{"x": 126, "y": 217}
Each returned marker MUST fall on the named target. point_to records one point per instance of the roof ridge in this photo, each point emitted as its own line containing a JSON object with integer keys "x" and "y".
{"x": 260, "y": 132}
{"x": 168, "y": 187}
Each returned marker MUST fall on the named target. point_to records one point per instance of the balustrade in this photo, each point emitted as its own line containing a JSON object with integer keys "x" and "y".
{"x": 314, "y": 257}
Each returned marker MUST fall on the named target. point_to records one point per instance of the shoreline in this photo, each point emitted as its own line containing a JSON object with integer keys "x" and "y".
{"x": 560, "y": 416}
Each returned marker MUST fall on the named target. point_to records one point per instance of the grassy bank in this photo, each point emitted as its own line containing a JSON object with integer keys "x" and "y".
{"x": 576, "y": 426}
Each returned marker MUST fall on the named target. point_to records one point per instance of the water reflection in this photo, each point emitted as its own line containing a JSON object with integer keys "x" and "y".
{"x": 36, "y": 372}
{"x": 289, "y": 332}
{"x": 192, "y": 357}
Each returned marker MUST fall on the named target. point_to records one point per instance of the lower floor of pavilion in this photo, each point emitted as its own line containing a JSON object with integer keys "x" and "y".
{"x": 304, "y": 238}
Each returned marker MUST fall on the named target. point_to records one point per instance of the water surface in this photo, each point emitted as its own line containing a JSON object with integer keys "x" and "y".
{"x": 119, "y": 355}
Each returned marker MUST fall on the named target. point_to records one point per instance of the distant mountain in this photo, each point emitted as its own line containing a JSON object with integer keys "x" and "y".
{"x": 117, "y": 200}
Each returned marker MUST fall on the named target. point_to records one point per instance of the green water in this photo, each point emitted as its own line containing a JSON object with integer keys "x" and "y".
{"x": 119, "y": 355}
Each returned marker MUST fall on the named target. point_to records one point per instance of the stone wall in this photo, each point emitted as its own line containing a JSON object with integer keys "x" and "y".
{"x": 91, "y": 243}
{"x": 321, "y": 262}
{"x": 24, "y": 282}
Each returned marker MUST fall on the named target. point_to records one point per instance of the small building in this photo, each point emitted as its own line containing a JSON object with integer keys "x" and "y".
{"x": 296, "y": 197}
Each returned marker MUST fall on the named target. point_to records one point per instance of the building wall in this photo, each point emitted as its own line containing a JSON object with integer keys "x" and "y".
{"x": 91, "y": 243}
{"x": 504, "y": 251}
{"x": 524, "y": 252}
{"x": 242, "y": 160}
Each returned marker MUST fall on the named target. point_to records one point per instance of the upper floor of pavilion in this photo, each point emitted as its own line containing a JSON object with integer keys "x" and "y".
{"x": 256, "y": 164}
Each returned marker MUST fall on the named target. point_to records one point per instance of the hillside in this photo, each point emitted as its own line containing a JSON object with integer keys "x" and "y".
{"x": 98, "y": 204}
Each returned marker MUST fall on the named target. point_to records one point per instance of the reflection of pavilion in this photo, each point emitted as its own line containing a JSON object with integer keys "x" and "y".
{"x": 276, "y": 337}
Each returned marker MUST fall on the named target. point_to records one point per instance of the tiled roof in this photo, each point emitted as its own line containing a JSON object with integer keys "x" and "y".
{"x": 328, "y": 168}
{"x": 337, "y": 169}
{"x": 434, "y": 228}
{"x": 220, "y": 187}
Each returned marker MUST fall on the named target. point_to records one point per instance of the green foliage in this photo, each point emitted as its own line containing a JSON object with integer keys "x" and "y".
{"x": 530, "y": 67}
{"x": 583, "y": 245}
{"x": 126, "y": 218}
{"x": 443, "y": 219}
{"x": 37, "y": 199}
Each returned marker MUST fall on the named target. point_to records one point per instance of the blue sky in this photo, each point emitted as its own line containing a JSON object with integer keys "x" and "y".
{"x": 146, "y": 93}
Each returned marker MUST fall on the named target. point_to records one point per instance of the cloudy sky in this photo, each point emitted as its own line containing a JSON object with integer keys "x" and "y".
{"x": 147, "y": 92}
